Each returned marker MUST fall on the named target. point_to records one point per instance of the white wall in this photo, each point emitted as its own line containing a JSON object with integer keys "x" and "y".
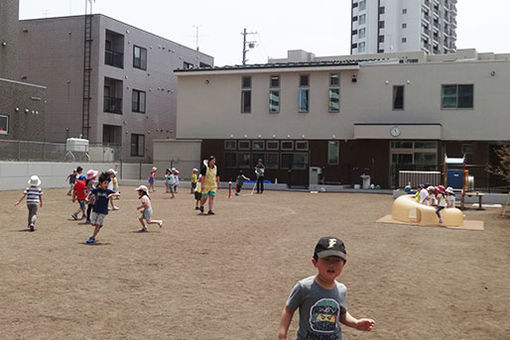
{"x": 15, "y": 175}
{"x": 184, "y": 155}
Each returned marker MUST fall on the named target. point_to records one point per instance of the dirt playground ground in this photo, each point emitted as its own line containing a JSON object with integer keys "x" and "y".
{"x": 227, "y": 276}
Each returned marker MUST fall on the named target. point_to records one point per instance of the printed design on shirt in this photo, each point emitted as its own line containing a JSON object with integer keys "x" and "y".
{"x": 324, "y": 316}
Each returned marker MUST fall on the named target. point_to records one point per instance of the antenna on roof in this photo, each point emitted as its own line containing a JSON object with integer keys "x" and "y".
{"x": 251, "y": 44}
{"x": 196, "y": 27}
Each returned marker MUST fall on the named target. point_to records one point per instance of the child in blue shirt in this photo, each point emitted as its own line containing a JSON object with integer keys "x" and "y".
{"x": 102, "y": 196}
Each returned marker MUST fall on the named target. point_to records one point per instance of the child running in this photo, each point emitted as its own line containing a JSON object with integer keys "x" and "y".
{"x": 90, "y": 182}
{"x": 34, "y": 199}
{"x": 170, "y": 181}
{"x": 239, "y": 182}
{"x": 194, "y": 179}
{"x": 102, "y": 196}
{"x": 80, "y": 194}
{"x": 146, "y": 209}
{"x": 176, "y": 176}
{"x": 72, "y": 179}
{"x": 321, "y": 299}
{"x": 111, "y": 186}
{"x": 152, "y": 177}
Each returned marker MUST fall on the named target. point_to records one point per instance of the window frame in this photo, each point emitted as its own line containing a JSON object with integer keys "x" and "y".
{"x": 457, "y": 97}
{"x": 291, "y": 148}
{"x": 6, "y": 131}
{"x": 138, "y": 94}
{"x": 268, "y": 148}
{"x": 395, "y": 92}
{"x": 141, "y": 65}
{"x": 229, "y": 141}
{"x": 137, "y": 144}
{"x": 330, "y": 160}
{"x": 244, "y": 148}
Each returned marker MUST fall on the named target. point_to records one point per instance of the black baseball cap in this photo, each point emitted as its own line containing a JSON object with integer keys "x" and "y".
{"x": 330, "y": 246}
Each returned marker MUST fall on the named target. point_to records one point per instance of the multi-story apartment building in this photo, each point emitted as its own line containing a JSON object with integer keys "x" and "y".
{"x": 346, "y": 116}
{"x": 22, "y": 105}
{"x": 385, "y": 26}
{"x": 106, "y": 80}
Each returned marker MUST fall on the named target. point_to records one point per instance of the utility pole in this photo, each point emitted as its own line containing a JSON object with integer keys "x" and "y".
{"x": 251, "y": 44}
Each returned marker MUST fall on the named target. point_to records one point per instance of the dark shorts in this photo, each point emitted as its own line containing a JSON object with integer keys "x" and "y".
{"x": 198, "y": 195}
{"x": 193, "y": 185}
{"x": 82, "y": 204}
{"x": 151, "y": 180}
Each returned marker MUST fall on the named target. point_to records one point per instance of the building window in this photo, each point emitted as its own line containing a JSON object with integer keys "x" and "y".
{"x": 139, "y": 57}
{"x": 272, "y": 145}
{"x": 304, "y": 92}
{"x": 257, "y": 145}
{"x": 274, "y": 101}
{"x": 398, "y": 97}
{"x": 114, "y": 49}
{"x": 355, "y": 18}
{"x": 274, "y": 94}
{"x": 137, "y": 145}
{"x": 303, "y": 100}
{"x": 361, "y": 47}
{"x": 274, "y": 82}
{"x": 302, "y": 145}
{"x": 404, "y": 40}
{"x": 333, "y": 153}
{"x": 404, "y": 25}
{"x": 361, "y": 33}
{"x": 287, "y": 145}
{"x": 246, "y": 95}
{"x": 112, "y": 95}
{"x": 362, "y": 5}
{"x": 380, "y": 38}
{"x": 404, "y": 10}
{"x": 381, "y": 24}
{"x": 334, "y": 93}
{"x": 187, "y": 66}
{"x": 4, "y": 125}
{"x": 230, "y": 145}
{"x": 381, "y": 10}
{"x": 138, "y": 101}
{"x": 362, "y": 19}
{"x": 244, "y": 145}
{"x": 456, "y": 96}
{"x": 295, "y": 160}
{"x": 271, "y": 160}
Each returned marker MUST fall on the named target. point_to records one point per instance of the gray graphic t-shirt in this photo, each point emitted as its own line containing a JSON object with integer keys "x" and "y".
{"x": 319, "y": 309}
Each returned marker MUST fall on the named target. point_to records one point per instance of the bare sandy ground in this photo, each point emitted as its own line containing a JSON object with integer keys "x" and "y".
{"x": 227, "y": 276}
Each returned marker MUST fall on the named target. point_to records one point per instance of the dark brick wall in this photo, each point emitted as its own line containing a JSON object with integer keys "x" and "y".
{"x": 24, "y": 104}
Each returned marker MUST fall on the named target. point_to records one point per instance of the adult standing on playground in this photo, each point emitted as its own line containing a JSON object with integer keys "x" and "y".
{"x": 210, "y": 182}
{"x": 259, "y": 171}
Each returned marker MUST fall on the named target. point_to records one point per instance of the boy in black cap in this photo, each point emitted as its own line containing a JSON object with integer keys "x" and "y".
{"x": 321, "y": 299}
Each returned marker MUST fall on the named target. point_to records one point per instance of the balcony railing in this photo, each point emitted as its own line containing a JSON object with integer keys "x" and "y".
{"x": 112, "y": 105}
{"x": 114, "y": 58}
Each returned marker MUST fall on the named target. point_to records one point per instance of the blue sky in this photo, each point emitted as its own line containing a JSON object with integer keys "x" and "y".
{"x": 280, "y": 25}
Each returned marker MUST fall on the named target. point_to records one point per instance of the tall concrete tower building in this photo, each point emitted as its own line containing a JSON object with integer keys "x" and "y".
{"x": 385, "y": 26}
{"x": 9, "y": 30}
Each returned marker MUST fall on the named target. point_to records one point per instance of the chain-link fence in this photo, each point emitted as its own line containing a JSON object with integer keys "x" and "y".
{"x": 11, "y": 150}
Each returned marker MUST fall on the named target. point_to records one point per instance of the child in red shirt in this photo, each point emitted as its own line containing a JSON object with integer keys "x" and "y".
{"x": 80, "y": 193}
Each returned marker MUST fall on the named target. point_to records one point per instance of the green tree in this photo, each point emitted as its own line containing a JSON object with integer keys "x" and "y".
{"x": 503, "y": 169}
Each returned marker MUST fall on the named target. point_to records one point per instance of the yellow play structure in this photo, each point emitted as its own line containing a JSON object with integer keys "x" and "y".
{"x": 406, "y": 209}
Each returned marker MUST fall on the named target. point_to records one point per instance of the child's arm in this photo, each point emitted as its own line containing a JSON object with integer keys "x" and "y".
{"x": 21, "y": 199}
{"x": 115, "y": 194}
{"x": 285, "y": 320}
{"x": 74, "y": 195}
{"x": 40, "y": 201}
{"x": 246, "y": 178}
{"x": 359, "y": 324}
